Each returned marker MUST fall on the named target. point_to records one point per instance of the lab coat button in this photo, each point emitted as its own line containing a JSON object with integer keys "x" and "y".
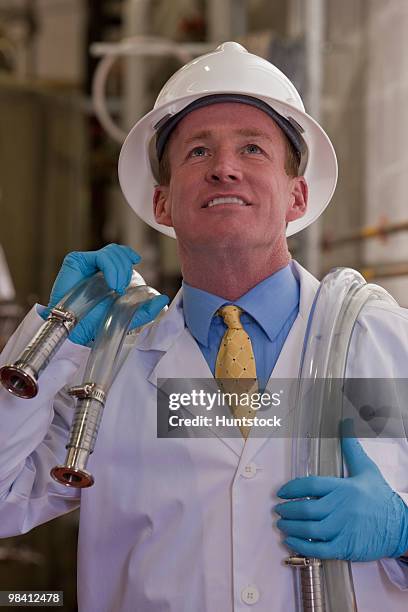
{"x": 250, "y": 595}
{"x": 249, "y": 470}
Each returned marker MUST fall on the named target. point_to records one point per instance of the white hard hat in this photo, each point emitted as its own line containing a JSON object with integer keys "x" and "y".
{"x": 230, "y": 70}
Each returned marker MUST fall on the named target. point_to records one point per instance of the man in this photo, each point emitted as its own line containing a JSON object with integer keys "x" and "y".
{"x": 188, "y": 524}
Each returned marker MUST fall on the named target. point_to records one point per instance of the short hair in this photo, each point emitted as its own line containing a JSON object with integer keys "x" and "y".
{"x": 292, "y": 162}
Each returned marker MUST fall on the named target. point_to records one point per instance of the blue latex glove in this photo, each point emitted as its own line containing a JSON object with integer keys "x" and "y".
{"x": 359, "y": 518}
{"x": 115, "y": 261}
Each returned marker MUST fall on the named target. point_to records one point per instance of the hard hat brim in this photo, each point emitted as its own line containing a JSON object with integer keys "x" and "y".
{"x": 137, "y": 179}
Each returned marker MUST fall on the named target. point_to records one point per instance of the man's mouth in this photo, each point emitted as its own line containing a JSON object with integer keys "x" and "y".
{"x": 226, "y": 200}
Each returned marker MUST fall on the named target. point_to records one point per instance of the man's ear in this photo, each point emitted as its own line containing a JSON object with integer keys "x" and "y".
{"x": 161, "y": 206}
{"x": 298, "y": 199}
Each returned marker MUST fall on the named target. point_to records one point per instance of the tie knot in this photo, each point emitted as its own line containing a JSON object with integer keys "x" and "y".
{"x": 231, "y": 315}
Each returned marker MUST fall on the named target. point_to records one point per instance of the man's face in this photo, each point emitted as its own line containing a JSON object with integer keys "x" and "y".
{"x": 228, "y": 182}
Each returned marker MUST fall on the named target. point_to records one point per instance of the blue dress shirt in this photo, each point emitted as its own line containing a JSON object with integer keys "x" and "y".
{"x": 270, "y": 309}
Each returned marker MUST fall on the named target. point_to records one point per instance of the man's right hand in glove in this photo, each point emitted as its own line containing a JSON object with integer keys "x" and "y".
{"x": 116, "y": 262}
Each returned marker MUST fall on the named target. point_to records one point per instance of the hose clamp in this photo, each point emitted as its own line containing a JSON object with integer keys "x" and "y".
{"x": 302, "y": 562}
{"x": 88, "y": 390}
{"x": 66, "y": 317}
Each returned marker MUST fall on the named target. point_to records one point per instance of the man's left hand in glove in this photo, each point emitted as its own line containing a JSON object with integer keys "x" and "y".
{"x": 359, "y": 518}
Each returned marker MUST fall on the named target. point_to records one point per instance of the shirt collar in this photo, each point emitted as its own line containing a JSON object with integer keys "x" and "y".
{"x": 270, "y": 303}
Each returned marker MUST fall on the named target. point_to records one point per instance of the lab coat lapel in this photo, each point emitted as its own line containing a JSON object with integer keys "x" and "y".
{"x": 288, "y": 363}
{"x": 182, "y": 358}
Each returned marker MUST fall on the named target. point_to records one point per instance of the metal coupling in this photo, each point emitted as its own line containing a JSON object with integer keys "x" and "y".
{"x": 311, "y": 582}
{"x": 66, "y": 317}
{"x": 88, "y": 390}
{"x": 300, "y": 562}
{"x": 21, "y": 377}
{"x": 84, "y": 430}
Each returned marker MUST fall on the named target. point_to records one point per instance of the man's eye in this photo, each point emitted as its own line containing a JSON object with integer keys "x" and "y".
{"x": 198, "y": 152}
{"x": 253, "y": 148}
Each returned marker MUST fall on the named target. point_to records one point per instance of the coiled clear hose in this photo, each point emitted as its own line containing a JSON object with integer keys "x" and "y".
{"x": 340, "y": 298}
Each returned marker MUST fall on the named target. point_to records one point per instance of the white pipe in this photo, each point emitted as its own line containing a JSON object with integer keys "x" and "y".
{"x": 150, "y": 45}
{"x": 137, "y": 47}
{"x": 315, "y": 20}
{"x": 226, "y": 19}
{"x": 314, "y": 33}
{"x": 99, "y": 98}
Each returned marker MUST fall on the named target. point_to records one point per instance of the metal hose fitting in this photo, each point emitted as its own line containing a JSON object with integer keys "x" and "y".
{"x": 311, "y": 582}
{"x": 84, "y": 430}
{"x": 21, "y": 377}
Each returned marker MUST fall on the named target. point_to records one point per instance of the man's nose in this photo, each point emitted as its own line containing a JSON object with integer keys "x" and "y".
{"x": 225, "y": 168}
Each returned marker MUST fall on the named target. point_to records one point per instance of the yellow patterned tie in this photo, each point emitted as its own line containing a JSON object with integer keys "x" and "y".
{"x": 235, "y": 360}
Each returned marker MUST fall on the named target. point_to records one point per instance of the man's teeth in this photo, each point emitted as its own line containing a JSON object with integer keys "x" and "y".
{"x": 226, "y": 200}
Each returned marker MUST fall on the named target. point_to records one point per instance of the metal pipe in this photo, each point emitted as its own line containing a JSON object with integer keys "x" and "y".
{"x": 376, "y": 271}
{"x": 314, "y": 34}
{"x": 384, "y": 270}
{"x": 225, "y": 20}
{"x": 380, "y": 231}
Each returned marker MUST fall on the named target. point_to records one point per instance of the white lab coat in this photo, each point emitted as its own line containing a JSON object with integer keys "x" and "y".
{"x": 181, "y": 525}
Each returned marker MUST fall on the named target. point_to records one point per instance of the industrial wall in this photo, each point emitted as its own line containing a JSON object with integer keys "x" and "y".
{"x": 366, "y": 116}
